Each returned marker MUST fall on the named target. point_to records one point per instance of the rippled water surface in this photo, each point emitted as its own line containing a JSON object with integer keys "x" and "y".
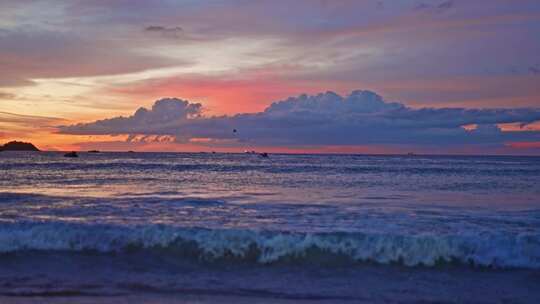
{"x": 459, "y": 216}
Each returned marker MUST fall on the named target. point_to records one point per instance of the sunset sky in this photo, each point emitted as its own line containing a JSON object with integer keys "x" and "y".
{"x": 373, "y": 76}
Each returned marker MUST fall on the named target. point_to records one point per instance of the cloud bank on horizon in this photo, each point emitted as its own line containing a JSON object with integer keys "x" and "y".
{"x": 363, "y": 117}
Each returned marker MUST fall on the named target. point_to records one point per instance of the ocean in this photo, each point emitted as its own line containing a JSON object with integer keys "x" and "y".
{"x": 239, "y": 228}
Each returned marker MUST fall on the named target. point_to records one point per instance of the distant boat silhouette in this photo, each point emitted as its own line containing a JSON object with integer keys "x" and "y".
{"x": 93, "y": 151}
{"x": 263, "y": 155}
{"x": 71, "y": 154}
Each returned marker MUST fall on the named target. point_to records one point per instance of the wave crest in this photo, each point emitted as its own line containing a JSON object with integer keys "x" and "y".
{"x": 485, "y": 250}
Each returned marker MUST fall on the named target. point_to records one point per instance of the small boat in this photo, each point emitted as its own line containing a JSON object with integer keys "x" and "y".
{"x": 263, "y": 155}
{"x": 71, "y": 154}
{"x": 93, "y": 151}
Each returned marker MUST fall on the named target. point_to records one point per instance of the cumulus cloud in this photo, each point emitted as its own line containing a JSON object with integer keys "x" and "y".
{"x": 164, "y": 116}
{"x": 363, "y": 117}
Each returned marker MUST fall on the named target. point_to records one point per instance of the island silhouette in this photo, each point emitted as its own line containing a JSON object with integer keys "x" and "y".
{"x": 18, "y": 146}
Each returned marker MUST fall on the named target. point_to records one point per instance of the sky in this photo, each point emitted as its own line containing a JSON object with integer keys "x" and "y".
{"x": 326, "y": 76}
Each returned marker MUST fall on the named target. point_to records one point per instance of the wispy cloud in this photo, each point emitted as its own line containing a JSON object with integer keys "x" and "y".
{"x": 169, "y": 32}
{"x": 435, "y": 6}
{"x": 31, "y": 121}
{"x": 16, "y": 126}
{"x": 4, "y": 95}
{"x": 27, "y": 54}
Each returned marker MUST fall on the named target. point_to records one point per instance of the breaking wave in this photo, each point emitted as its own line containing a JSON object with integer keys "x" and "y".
{"x": 268, "y": 247}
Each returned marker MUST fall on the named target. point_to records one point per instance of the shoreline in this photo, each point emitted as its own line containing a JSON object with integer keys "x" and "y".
{"x": 58, "y": 278}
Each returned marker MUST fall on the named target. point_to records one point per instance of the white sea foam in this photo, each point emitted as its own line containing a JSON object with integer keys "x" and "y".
{"x": 491, "y": 250}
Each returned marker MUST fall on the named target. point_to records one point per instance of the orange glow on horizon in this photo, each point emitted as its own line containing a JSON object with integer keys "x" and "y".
{"x": 524, "y": 145}
{"x": 517, "y": 127}
{"x": 225, "y": 97}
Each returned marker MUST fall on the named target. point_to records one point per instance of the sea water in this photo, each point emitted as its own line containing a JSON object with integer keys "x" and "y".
{"x": 213, "y": 227}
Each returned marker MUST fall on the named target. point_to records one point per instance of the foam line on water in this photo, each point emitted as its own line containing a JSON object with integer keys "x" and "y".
{"x": 501, "y": 250}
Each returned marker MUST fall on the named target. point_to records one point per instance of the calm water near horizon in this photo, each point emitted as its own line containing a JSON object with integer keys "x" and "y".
{"x": 202, "y": 227}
